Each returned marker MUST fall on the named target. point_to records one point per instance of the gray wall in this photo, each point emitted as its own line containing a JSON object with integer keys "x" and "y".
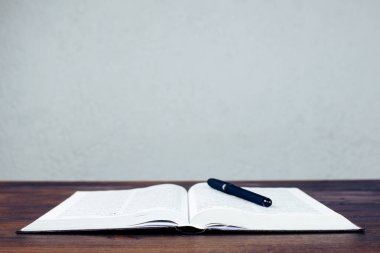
{"x": 132, "y": 90}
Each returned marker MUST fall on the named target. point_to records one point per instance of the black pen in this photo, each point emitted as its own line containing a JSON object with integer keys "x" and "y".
{"x": 239, "y": 192}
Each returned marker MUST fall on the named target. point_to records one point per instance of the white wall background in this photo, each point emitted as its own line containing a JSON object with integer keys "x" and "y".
{"x": 135, "y": 90}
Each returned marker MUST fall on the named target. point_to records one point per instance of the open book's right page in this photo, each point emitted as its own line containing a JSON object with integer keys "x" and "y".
{"x": 292, "y": 210}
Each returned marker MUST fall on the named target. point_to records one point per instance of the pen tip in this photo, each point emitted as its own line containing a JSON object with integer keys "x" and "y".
{"x": 267, "y": 202}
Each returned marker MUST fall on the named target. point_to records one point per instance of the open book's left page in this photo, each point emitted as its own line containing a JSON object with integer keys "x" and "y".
{"x": 163, "y": 205}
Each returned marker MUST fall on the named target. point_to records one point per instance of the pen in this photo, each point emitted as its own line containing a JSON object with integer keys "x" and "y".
{"x": 239, "y": 192}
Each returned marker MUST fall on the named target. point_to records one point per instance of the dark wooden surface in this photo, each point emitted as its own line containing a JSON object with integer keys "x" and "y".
{"x": 23, "y": 202}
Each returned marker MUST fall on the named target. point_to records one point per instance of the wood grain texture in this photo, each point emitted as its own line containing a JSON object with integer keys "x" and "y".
{"x": 23, "y": 202}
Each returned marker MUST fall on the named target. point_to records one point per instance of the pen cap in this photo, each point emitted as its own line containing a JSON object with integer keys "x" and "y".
{"x": 216, "y": 184}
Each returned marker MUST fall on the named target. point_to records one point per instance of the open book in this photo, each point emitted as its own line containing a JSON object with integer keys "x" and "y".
{"x": 169, "y": 205}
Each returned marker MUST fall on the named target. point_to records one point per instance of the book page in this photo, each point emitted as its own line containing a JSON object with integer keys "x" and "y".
{"x": 292, "y": 209}
{"x": 159, "y": 205}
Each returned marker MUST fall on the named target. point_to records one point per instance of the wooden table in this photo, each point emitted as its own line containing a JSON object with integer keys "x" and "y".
{"x": 23, "y": 202}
